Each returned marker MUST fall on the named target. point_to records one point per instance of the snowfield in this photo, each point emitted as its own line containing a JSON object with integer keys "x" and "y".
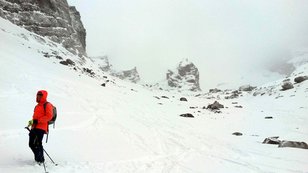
{"x": 126, "y": 128}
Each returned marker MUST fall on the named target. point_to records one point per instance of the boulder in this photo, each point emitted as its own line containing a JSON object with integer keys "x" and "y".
{"x": 300, "y": 79}
{"x": 287, "y": 86}
{"x": 215, "y": 105}
{"x": 188, "y": 115}
{"x": 67, "y": 62}
{"x": 271, "y": 140}
{"x": 237, "y": 133}
{"x": 183, "y": 99}
{"x": 285, "y": 143}
{"x": 215, "y": 90}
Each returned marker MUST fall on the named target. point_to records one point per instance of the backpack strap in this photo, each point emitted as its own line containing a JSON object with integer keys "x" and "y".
{"x": 45, "y": 104}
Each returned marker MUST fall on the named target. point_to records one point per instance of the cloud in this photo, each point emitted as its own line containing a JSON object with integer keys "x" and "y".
{"x": 222, "y": 37}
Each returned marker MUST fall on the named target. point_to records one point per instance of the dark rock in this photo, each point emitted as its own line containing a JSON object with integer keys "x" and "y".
{"x": 188, "y": 115}
{"x": 183, "y": 99}
{"x": 239, "y": 106}
{"x": 47, "y": 55}
{"x": 234, "y": 94}
{"x": 59, "y": 57}
{"x": 237, "y": 133}
{"x": 68, "y": 62}
{"x": 293, "y": 144}
{"x": 300, "y": 79}
{"x": 271, "y": 140}
{"x": 165, "y": 97}
{"x": 269, "y": 117}
{"x": 103, "y": 85}
{"x": 287, "y": 86}
{"x": 215, "y": 105}
{"x": 285, "y": 143}
{"x": 89, "y": 71}
{"x": 215, "y": 90}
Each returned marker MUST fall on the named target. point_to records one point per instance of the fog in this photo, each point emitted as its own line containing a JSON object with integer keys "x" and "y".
{"x": 225, "y": 39}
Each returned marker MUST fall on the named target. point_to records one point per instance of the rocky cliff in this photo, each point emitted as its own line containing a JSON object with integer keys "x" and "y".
{"x": 185, "y": 77}
{"x": 54, "y": 19}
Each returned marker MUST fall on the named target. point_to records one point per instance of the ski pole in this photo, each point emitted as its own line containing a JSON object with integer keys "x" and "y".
{"x": 45, "y": 167}
{"x": 50, "y": 157}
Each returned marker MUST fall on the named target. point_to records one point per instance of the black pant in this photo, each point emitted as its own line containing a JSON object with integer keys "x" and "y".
{"x": 35, "y": 143}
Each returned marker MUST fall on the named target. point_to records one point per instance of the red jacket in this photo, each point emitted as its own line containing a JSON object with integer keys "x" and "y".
{"x": 42, "y": 116}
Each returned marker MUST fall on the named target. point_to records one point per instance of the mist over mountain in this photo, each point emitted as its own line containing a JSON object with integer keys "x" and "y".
{"x": 243, "y": 37}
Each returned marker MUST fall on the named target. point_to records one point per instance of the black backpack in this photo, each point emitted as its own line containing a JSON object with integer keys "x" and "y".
{"x": 54, "y": 114}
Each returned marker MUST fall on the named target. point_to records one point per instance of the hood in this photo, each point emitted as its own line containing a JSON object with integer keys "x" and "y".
{"x": 44, "y": 97}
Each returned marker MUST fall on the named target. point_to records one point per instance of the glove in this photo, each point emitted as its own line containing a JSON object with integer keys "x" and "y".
{"x": 31, "y": 122}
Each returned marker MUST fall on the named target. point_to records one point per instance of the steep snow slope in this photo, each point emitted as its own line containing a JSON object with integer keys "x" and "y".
{"x": 125, "y": 128}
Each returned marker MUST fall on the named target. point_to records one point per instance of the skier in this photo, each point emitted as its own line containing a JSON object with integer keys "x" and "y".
{"x": 39, "y": 125}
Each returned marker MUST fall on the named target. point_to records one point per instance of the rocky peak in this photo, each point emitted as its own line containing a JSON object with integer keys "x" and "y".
{"x": 186, "y": 76}
{"x": 103, "y": 63}
{"x": 130, "y": 75}
{"x": 54, "y": 19}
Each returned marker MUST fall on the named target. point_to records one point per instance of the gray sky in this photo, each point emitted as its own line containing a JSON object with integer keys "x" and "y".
{"x": 223, "y": 38}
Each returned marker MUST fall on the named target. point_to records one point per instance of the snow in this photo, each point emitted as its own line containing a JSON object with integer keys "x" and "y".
{"x": 124, "y": 127}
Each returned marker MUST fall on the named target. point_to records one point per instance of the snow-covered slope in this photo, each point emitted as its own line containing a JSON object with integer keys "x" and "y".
{"x": 125, "y": 128}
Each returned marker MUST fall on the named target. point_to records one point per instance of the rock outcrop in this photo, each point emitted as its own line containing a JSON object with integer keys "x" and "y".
{"x": 185, "y": 77}
{"x": 54, "y": 19}
{"x": 103, "y": 63}
{"x": 130, "y": 75}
